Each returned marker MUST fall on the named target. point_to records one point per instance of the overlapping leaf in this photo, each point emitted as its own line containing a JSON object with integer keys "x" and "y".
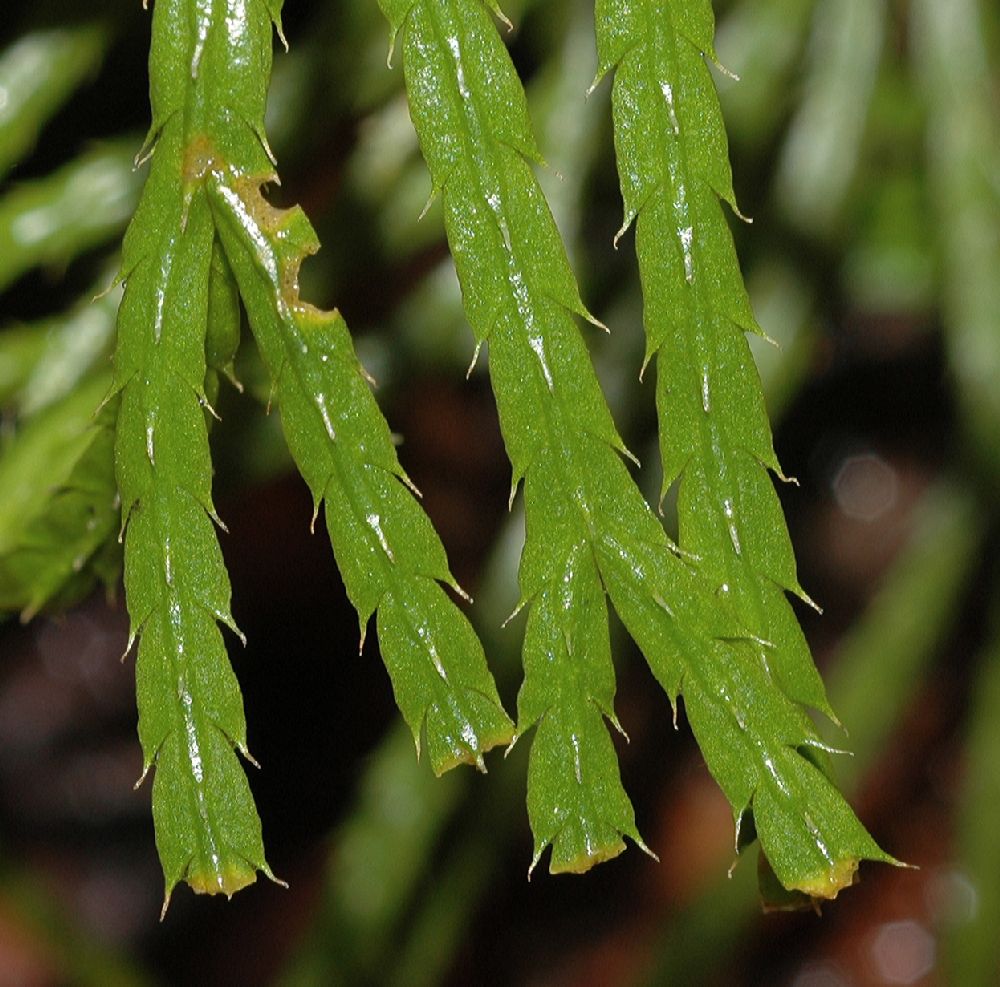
{"x": 715, "y": 439}
{"x": 586, "y": 521}
{"x": 470, "y": 115}
{"x": 204, "y": 235}
{"x": 584, "y": 515}
{"x": 388, "y": 553}
{"x": 190, "y": 709}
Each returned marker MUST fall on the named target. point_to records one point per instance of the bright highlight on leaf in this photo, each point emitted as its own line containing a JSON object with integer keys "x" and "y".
{"x": 471, "y": 118}
{"x": 190, "y": 709}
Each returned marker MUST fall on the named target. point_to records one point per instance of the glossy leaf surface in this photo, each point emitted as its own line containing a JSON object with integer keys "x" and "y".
{"x": 715, "y": 440}
{"x": 389, "y": 555}
{"x": 202, "y": 237}
{"x": 208, "y": 65}
{"x": 588, "y": 528}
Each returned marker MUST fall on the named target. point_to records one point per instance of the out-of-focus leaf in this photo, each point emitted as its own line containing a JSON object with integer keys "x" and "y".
{"x": 972, "y": 953}
{"x": 905, "y": 622}
{"x": 59, "y": 504}
{"x": 823, "y": 146}
{"x": 890, "y": 265}
{"x": 20, "y": 350}
{"x": 760, "y": 42}
{"x": 72, "y": 951}
{"x": 783, "y": 302}
{"x": 377, "y": 859}
{"x": 37, "y": 74}
{"x": 51, "y": 220}
{"x": 42, "y": 362}
{"x": 959, "y": 74}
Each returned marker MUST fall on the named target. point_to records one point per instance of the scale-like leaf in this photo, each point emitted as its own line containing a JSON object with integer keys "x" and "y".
{"x": 389, "y": 555}
{"x": 575, "y": 798}
{"x": 206, "y": 67}
{"x": 469, "y": 112}
{"x": 586, "y": 521}
{"x": 203, "y": 235}
{"x": 190, "y": 712}
{"x": 715, "y": 439}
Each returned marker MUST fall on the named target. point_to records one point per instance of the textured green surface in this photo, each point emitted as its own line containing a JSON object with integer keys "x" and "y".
{"x": 203, "y": 236}
{"x": 715, "y": 439}
{"x": 471, "y": 117}
{"x": 204, "y": 80}
{"x": 388, "y": 553}
{"x": 383, "y": 241}
{"x": 588, "y": 529}
{"x": 879, "y": 669}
